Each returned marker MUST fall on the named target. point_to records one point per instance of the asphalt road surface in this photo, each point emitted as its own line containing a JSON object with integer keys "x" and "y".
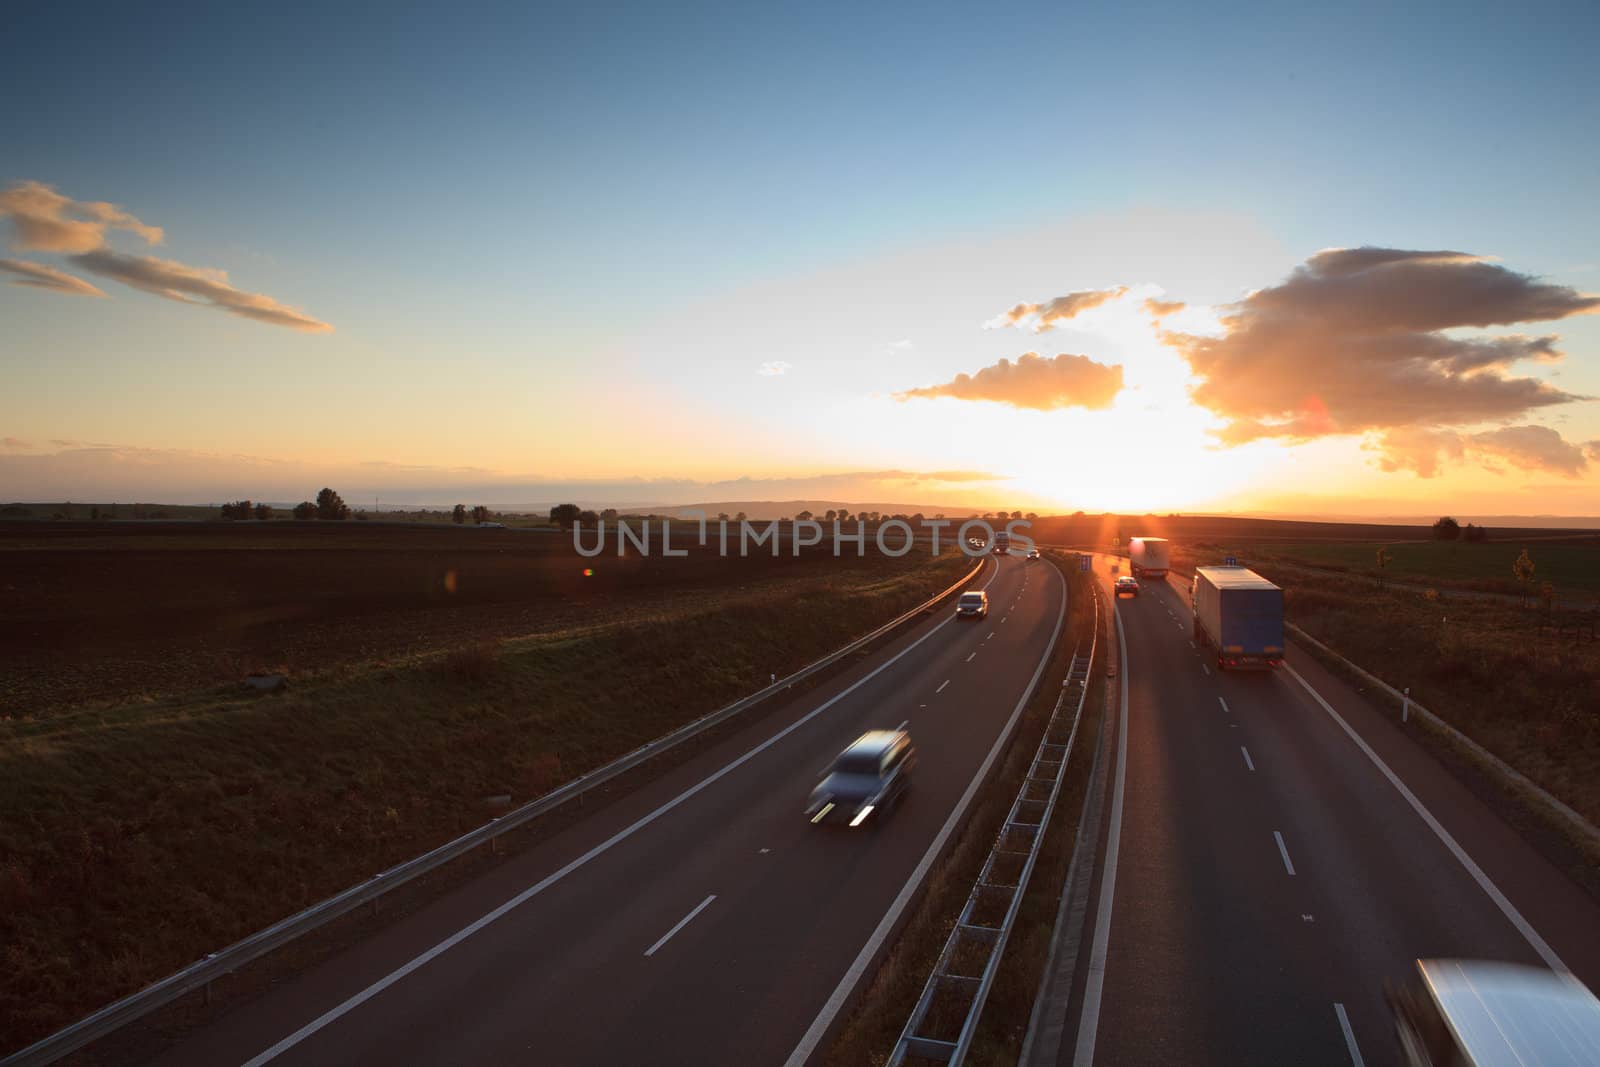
{"x": 1282, "y": 851}
{"x": 699, "y": 920}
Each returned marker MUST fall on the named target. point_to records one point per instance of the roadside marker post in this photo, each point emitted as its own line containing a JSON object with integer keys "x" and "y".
{"x": 1405, "y": 706}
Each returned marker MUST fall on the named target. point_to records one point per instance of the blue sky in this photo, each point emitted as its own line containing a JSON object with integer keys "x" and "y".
{"x": 510, "y": 200}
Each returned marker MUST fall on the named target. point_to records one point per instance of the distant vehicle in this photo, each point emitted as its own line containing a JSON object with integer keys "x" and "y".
{"x": 975, "y": 542}
{"x": 491, "y": 526}
{"x": 974, "y": 604}
{"x": 1481, "y": 1014}
{"x": 1147, "y": 557}
{"x": 1240, "y": 614}
{"x": 1033, "y": 553}
{"x": 1126, "y": 584}
{"x": 868, "y": 777}
{"x": 1002, "y": 543}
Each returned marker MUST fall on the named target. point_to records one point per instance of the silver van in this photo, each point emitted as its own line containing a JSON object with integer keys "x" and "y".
{"x": 1479, "y": 1014}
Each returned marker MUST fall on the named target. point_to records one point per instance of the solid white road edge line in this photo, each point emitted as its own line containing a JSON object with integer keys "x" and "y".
{"x": 1248, "y": 762}
{"x": 333, "y": 1014}
{"x": 1507, "y": 909}
{"x": 1349, "y": 1035}
{"x": 651, "y": 951}
{"x": 1094, "y": 985}
{"x": 841, "y": 993}
{"x": 1284, "y": 852}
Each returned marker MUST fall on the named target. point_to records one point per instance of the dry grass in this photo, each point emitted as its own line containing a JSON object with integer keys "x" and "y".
{"x": 135, "y": 839}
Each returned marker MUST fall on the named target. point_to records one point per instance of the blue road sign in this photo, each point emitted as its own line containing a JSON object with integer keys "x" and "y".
{"x": 1083, "y": 562}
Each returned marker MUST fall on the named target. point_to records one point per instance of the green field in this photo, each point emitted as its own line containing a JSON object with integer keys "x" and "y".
{"x": 1574, "y": 569}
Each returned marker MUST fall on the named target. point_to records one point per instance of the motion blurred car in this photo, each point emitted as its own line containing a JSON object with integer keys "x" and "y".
{"x": 974, "y": 604}
{"x": 1126, "y": 584}
{"x": 1479, "y": 1014}
{"x": 1033, "y": 553}
{"x": 868, "y": 778}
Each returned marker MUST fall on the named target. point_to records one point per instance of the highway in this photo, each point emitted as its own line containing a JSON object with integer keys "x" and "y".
{"x": 699, "y": 919}
{"x": 1273, "y": 851}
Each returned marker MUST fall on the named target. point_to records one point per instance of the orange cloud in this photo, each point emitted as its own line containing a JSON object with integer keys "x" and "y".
{"x": 1034, "y": 382}
{"x": 1162, "y": 308}
{"x": 194, "y": 285}
{"x": 38, "y": 276}
{"x": 1046, "y": 316}
{"x": 1528, "y": 447}
{"x": 1363, "y": 329}
{"x": 45, "y": 221}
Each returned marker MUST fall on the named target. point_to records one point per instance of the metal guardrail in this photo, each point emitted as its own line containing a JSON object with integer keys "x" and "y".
{"x": 200, "y": 974}
{"x": 1028, "y": 819}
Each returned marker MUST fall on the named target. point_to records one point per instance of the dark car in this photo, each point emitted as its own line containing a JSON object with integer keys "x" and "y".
{"x": 1126, "y": 584}
{"x": 1033, "y": 554}
{"x": 868, "y": 778}
{"x": 974, "y": 604}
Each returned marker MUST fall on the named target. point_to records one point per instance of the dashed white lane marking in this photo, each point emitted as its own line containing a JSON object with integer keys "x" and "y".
{"x": 969, "y": 658}
{"x": 1349, "y": 1035}
{"x": 1282, "y": 851}
{"x": 941, "y": 686}
{"x": 1205, "y": 668}
{"x": 1180, "y": 626}
{"x": 1224, "y": 703}
{"x": 991, "y": 634}
{"x": 1193, "y": 645}
{"x": 1003, "y": 618}
{"x": 1248, "y": 762}
{"x": 651, "y": 951}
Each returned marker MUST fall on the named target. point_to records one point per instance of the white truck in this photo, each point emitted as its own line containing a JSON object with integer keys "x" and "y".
{"x": 1240, "y": 614}
{"x": 1147, "y": 557}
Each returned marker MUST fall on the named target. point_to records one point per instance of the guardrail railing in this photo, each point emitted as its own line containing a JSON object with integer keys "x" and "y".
{"x": 200, "y": 974}
{"x": 977, "y": 945}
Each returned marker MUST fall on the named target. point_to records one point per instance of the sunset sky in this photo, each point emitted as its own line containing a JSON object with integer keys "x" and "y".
{"x": 1045, "y": 256}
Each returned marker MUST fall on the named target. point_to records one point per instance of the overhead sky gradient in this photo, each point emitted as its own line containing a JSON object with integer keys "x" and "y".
{"x": 1070, "y": 257}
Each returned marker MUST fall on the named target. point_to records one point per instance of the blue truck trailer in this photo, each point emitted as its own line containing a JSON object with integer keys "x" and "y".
{"x": 1240, "y": 615}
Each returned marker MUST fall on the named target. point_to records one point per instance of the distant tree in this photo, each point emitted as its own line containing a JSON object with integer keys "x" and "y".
{"x": 480, "y": 515}
{"x": 917, "y": 519}
{"x": 1033, "y": 516}
{"x": 564, "y": 515}
{"x": 1446, "y": 529}
{"x": 263, "y": 512}
{"x": 939, "y": 515}
{"x": 1475, "y": 534}
{"x": 1383, "y": 561}
{"x": 1547, "y": 593}
{"x": 829, "y": 516}
{"x": 94, "y": 514}
{"x": 331, "y": 505}
{"x": 458, "y": 514}
{"x": 740, "y": 517}
{"x": 305, "y": 510}
{"x": 238, "y": 510}
{"x": 722, "y": 516}
{"x": 609, "y": 514}
{"x": 361, "y": 516}
{"x": 588, "y": 518}
{"x": 1016, "y": 516}
{"x": 1523, "y": 568}
{"x": 802, "y": 516}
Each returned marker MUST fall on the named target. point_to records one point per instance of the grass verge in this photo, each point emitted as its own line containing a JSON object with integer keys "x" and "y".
{"x": 134, "y": 840}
